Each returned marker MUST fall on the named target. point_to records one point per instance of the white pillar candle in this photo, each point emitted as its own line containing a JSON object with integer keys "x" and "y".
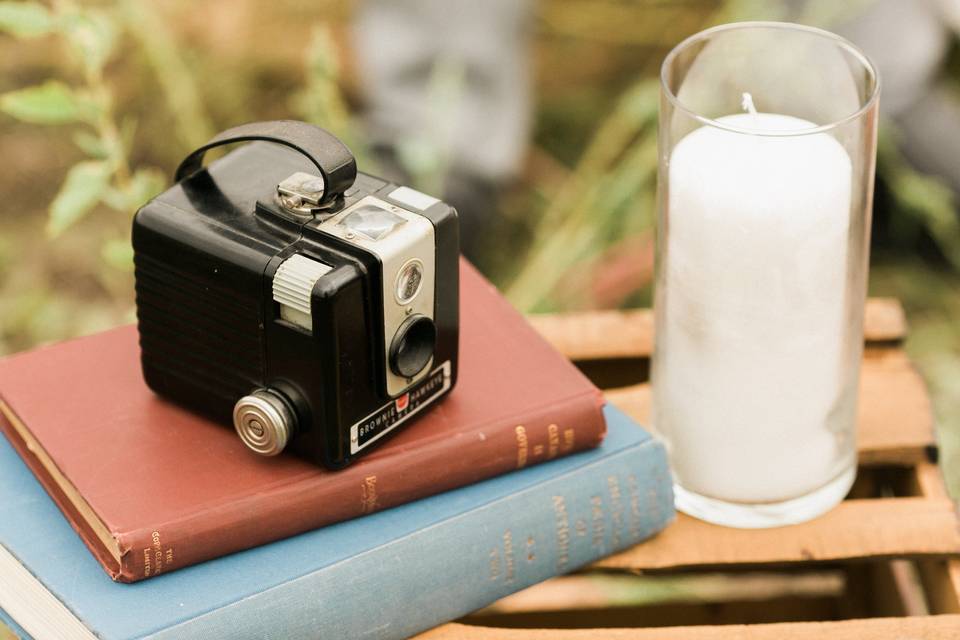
{"x": 750, "y": 376}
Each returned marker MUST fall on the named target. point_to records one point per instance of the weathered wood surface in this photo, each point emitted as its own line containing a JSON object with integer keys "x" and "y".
{"x": 896, "y": 418}
{"x": 895, "y": 424}
{"x": 909, "y": 537}
{"x": 855, "y": 529}
{"x": 941, "y": 627}
{"x": 601, "y": 335}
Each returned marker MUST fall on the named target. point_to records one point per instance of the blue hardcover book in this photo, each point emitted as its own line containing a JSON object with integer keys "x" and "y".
{"x": 387, "y": 575}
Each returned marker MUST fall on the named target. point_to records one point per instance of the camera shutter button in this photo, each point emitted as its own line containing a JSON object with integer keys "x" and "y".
{"x": 264, "y": 422}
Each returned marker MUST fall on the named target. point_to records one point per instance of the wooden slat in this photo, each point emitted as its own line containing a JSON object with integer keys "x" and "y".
{"x": 928, "y": 481}
{"x": 884, "y": 588}
{"x": 895, "y": 424}
{"x": 624, "y": 590}
{"x": 855, "y": 529}
{"x": 884, "y": 320}
{"x": 771, "y": 611}
{"x": 600, "y": 335}
{"x": 941, "y": 582}
{"x": 895, "y": 418}
{"x": 940, "y": 578}
{"x": 942, "y": 627}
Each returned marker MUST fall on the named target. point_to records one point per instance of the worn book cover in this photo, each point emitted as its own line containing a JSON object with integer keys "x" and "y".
{"x": 382, "y": 577}
{"x": 152, "y": 487}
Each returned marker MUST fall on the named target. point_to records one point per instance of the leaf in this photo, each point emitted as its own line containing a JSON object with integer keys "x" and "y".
{"x": 25, "y": 19}
{"x": 932, "y": 202}
{"x": 144, "y": 184}
{"x": 52, "y": 102}
{"x": 90, "y": 144}
{"x": 118, "y": 254}
{"x": 92, "y": 34}
{"x": 80, "y": 191}
{"x": 640, "y": 103}
{"x": 128, "y": 128}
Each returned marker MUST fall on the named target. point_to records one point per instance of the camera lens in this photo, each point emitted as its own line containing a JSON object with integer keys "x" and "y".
{"x": 412, "y": 346}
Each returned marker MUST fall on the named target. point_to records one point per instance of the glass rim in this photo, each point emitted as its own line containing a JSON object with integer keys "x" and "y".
{"x": 840, "y": 41}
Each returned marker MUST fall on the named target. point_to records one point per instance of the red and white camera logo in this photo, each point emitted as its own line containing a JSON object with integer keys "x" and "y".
{"x": 402, "y": 402}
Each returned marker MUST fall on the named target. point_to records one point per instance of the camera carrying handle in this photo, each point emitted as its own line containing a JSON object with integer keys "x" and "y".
{"x": 333, "y": 159}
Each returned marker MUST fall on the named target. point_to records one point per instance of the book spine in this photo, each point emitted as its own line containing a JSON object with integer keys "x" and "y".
{"x": 462, "y": 563}
{"x": 443, "y": 464}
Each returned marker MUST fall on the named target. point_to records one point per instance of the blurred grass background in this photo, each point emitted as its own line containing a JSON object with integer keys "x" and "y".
{"x": 102, "y": 99}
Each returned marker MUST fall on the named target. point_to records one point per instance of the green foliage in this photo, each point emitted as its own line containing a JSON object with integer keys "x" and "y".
{"x": 89, "y": 35}
{"x": 921, "y": 202}
{"x": 80, "y": 192}
{"x": 25, "y": 19}
{"x": 52, "y": 102}
{"x": 426, "y": 157}
{"x": 145, "y": 183}
{"x": 144, "y": 23}
{"x": 608, "y": 196}
{"x": 611, "y": 191}
{"x": 105, "y": 179}
{"x": 90, "y": 144}
{"x": 321, "y": 101}
{"x": 118, "y": 254}
{"x": 931, "y": 297}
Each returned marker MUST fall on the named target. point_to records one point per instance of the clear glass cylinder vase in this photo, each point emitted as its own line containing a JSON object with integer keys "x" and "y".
{"x": 767, "y": 149}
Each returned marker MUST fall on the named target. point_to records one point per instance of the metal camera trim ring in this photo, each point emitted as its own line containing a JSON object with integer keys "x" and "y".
{"x": 400, "y": 272}
{"x": 263, "y": 409}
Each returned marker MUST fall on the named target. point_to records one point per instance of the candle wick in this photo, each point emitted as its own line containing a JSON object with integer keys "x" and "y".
{"x": 747, "y": 104}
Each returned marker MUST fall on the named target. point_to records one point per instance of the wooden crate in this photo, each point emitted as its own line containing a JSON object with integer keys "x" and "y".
{"x": 882, "y": 564}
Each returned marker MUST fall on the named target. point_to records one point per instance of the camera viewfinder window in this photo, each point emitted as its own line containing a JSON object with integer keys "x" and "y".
{"x": 372, "y": 221}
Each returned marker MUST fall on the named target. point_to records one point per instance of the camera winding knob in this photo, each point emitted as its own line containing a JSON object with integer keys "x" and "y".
{"x": 264, "y": 422}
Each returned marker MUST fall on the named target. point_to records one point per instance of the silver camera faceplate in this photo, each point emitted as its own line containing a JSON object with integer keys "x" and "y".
{"x": 399, "y": 238}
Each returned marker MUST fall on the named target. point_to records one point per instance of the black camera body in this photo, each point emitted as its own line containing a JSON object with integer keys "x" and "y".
{"x": 313, "y": 307}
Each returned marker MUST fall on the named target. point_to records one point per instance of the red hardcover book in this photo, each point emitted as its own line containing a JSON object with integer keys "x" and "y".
{"x": 152, "y": 487}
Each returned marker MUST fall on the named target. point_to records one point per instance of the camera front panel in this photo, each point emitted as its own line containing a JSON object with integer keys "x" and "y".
{"x": 405, "y": 251}
{"x": 361, "y": 307}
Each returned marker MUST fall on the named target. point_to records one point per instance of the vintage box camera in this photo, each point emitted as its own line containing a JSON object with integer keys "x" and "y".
{"x": 313, "y": 307}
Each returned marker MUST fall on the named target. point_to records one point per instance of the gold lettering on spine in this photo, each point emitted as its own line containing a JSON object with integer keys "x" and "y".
{"x": 596, "y": 516}
{"x": 580, "y": 526}
{"x": 653, "y": 504}
{"x": 155, "y": 558}
{"x": 562, "y": 526}
{"x": 553, "y": 441}
{"x": 157, "y": 553}
{"x": 653, "y": 498}
{"x": 368, "y": 494}
{"x": 568, "y": 440}
{"x": 616, "y": 511}
{"x": 636, "y": 516}
{"x": 521, "y": 446}
{"x": 501, "y": 562}
{"x": 494, "y": 563}
{"x": 508, "y": 557}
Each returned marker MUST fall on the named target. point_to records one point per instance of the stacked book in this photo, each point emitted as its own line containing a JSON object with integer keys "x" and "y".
{"x": 520, "y": 475}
